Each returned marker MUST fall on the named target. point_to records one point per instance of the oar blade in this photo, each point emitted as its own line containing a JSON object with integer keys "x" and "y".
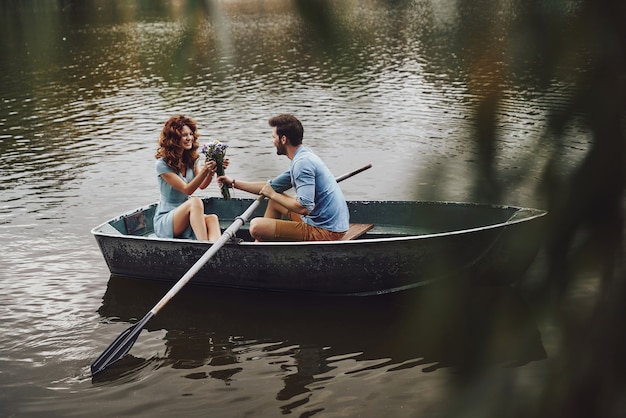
{"x": 119, "y": 347}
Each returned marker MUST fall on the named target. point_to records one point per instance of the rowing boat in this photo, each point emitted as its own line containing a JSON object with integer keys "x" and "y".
{"x": 405, "y": 244}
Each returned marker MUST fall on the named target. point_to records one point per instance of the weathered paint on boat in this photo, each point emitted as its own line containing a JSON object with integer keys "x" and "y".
{"x": 412, "y": 243}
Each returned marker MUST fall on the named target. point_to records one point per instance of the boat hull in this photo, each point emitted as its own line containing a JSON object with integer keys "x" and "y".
{"x": 412, "y": 244}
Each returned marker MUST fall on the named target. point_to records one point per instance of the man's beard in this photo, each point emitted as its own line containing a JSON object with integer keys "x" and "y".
{"x": 280, "y": 149}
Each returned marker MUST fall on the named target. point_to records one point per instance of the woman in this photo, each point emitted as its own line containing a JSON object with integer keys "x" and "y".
{"x": 179, "y": 215}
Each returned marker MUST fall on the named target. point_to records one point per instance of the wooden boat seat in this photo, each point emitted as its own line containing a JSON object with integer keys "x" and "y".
{"x": 356, "y": 230}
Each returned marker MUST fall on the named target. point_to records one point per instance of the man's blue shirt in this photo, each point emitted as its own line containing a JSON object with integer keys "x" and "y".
{"x": 316, "y": 189}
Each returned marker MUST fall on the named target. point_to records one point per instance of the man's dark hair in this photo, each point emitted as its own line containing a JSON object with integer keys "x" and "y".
{"x": 289, "y": 126}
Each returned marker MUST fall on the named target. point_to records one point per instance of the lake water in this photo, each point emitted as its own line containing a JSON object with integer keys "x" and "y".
{"x": 85, "y": 90}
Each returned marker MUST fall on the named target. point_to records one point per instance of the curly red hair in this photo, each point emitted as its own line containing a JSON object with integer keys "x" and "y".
{"x": 170, "y": 148}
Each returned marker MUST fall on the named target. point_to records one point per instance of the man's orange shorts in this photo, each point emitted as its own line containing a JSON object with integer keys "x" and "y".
{"x": 295, "y": 229}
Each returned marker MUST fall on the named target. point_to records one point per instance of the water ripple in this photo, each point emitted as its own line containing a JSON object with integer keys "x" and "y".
{"x": 84, "y": 97}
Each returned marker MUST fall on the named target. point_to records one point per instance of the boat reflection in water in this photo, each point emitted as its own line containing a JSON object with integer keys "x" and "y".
{"x": 216, "y": 332}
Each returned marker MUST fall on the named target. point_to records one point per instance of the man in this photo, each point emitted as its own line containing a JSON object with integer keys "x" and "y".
{"x": 318, "y": 212}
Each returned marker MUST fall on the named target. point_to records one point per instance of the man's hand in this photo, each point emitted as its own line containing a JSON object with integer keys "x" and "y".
{"x": 267, "y": 191}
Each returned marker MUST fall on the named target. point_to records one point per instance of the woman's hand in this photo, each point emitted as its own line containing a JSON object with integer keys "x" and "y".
{"x": 209, "y": 168}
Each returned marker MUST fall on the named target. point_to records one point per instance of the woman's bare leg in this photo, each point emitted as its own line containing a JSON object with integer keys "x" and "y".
{"x": 191, "y": 213}
{"x": 213, "y": 227}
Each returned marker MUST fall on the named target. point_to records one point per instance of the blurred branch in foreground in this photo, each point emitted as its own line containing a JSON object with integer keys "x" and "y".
{"x": 585, "y": 241}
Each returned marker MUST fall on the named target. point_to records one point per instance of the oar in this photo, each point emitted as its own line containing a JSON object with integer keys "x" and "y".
{"x": 123, "y": 343}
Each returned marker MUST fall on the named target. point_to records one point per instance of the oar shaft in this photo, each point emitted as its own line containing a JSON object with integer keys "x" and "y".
{"x": 352, "y": 173}
{"x": 228, "y": 234}
{"x": 123, "y": 343}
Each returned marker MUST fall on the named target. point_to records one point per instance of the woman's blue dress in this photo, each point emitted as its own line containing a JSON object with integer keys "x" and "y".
{"x": 170, "y": 199}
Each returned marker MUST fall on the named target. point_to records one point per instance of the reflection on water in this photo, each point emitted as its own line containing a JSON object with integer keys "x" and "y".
{"x": 84, "y": 89}
{"x": 311, "y": 342}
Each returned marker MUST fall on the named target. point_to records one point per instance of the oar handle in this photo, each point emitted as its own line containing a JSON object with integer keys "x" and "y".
{"x": 352, "y": 173}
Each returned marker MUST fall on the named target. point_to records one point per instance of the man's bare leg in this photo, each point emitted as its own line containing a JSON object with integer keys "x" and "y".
{"x": 275, "y": 211}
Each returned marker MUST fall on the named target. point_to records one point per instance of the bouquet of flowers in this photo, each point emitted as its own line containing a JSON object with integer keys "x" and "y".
{"x": 216, "y": 151}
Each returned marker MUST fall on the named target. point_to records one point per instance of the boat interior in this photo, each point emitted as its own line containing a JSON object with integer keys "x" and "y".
{"x": 369, "y": 219}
